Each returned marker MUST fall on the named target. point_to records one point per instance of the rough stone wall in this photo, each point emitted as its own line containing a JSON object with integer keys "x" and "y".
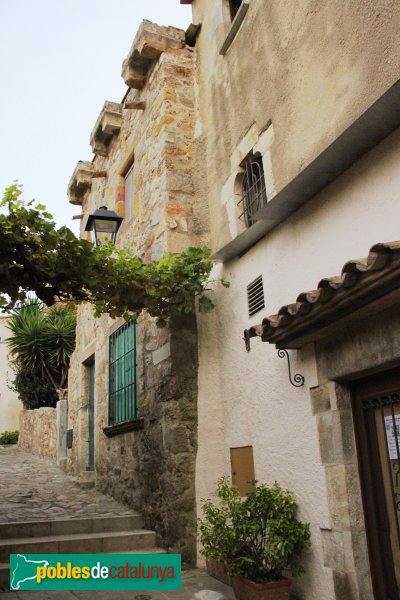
{"x": 166, "y": 215}
{"x": 151, "y": 469}
{"x": 38, "y": 431}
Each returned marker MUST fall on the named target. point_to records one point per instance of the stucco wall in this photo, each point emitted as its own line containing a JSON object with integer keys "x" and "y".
{"x": 311, "y": 69}
{"x": 246, "y": 398}
{"x": 38, "y": 431}
{"x": 10, "y": 405}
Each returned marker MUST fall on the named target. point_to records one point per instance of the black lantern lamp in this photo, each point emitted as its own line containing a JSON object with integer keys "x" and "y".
{"x": 104, "y": 222}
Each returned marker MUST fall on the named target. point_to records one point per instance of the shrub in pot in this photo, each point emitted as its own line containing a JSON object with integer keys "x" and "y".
{"x": 213, "y": 533}
{"x": 258, "y": 537}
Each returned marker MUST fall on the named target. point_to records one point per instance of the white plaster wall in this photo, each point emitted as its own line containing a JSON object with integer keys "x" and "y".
{"x": 10, "y": 405}
{"x": 247, "y": 399}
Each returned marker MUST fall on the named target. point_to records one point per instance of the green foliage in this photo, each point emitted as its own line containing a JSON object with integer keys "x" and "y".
{"x": 41, "y": 342}
{"x": 8, "y": 437}
{"x": 258, "y": 537}
{"x": 33, "y": 390}
{"x": 53, "y": 263}
{"x": 35, "y": 256}
{"x": 165, "y": 289}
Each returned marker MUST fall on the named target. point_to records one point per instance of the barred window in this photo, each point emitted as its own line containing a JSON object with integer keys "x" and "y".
{"x": 253, "y": 194}
{"x": 122, "y": 374}
{"x": 129, "y": 192}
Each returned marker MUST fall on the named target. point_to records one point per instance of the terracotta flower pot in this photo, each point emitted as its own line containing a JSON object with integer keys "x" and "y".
{"x": 218, "y": 570}
{"x": 248, "y": 590}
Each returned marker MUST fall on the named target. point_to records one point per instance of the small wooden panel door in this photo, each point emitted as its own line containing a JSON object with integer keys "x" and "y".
{"x": 242, "y": 466}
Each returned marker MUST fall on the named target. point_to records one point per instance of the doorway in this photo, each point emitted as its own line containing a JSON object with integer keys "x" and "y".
{"x": 90, "y": 463}
{"x": 376, "y": 408}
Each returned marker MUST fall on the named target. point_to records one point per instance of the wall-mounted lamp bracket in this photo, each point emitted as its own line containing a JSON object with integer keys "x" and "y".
{"x": 246, "y": 337}
{"x": 298, "y": 379}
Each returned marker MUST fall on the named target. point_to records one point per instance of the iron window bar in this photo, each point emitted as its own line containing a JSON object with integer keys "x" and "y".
{"x": 254, "y": 193}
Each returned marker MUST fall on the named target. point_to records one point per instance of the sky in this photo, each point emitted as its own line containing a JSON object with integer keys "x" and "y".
{"x": 59, "y": 61}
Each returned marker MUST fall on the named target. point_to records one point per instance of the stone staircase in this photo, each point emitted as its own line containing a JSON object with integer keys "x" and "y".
{"x": 103, "y": 534}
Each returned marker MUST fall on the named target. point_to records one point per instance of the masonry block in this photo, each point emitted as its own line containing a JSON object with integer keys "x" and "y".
{"x": 107, "y": 125}
{"x": 320, "y": 399}
{"x": 80, "y": 182}
{"x": 150, "y": 42}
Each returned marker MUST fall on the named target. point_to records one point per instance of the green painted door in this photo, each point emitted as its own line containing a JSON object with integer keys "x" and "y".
{"x": 90, "y": 466}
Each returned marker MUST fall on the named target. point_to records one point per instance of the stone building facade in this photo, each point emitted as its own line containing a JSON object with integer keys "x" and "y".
{"x": 298, "y": 129}
{"x": 142, "y": 169}
{"x": 270, "y": 131}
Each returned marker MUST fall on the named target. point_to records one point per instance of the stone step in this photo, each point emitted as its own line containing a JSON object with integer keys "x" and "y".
{"x": 85, "y": 484}
{"x": 31, "y": 529}
{"x": 78, "y": 543}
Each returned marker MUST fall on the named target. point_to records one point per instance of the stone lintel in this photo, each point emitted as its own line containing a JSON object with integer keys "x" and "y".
{"x": 107, "y": 125}
{"x": 80, "y": 181}
{"x": 150, "y": 42}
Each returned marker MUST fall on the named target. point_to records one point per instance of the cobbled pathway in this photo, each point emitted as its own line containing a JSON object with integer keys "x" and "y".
{"x": 33, "y": 488}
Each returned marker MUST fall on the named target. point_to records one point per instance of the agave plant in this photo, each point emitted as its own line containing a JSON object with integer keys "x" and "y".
{"x": 42, "y": 341}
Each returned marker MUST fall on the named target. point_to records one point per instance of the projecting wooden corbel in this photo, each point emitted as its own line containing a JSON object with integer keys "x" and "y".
{"x": 135, "y": 105}
{"x": 99, "y": 174}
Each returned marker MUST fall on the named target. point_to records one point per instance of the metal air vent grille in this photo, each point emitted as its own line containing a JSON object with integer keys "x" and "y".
{"x": 255, "y": 296}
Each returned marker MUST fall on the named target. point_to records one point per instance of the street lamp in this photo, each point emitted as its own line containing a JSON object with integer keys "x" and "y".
{"x": 105, "y": 222}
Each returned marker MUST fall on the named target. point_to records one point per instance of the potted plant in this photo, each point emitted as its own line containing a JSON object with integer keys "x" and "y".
{"x": 259, "y": 538}
{"x": 214, "y": 536}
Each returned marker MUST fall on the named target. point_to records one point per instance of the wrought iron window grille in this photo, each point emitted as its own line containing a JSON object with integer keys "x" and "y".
{"x": 253, "y": 193}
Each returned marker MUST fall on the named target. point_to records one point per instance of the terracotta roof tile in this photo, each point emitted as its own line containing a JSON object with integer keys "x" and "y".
{"x": 319, "y": 305}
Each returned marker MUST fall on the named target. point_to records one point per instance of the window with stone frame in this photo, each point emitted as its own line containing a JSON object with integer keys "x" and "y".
{"x": 253, "y": 190}
{"x": 122, "y": 374}
{"x": 234, "y": 6}
{"x": 129, "y": 191}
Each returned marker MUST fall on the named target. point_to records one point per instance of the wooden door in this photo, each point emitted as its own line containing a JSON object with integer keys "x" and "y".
{"x": 376, "y": 406}
{"x": 90, "y": 465}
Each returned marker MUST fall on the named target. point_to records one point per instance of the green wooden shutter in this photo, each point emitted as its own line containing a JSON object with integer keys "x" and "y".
{"x": 122, "y": 374}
